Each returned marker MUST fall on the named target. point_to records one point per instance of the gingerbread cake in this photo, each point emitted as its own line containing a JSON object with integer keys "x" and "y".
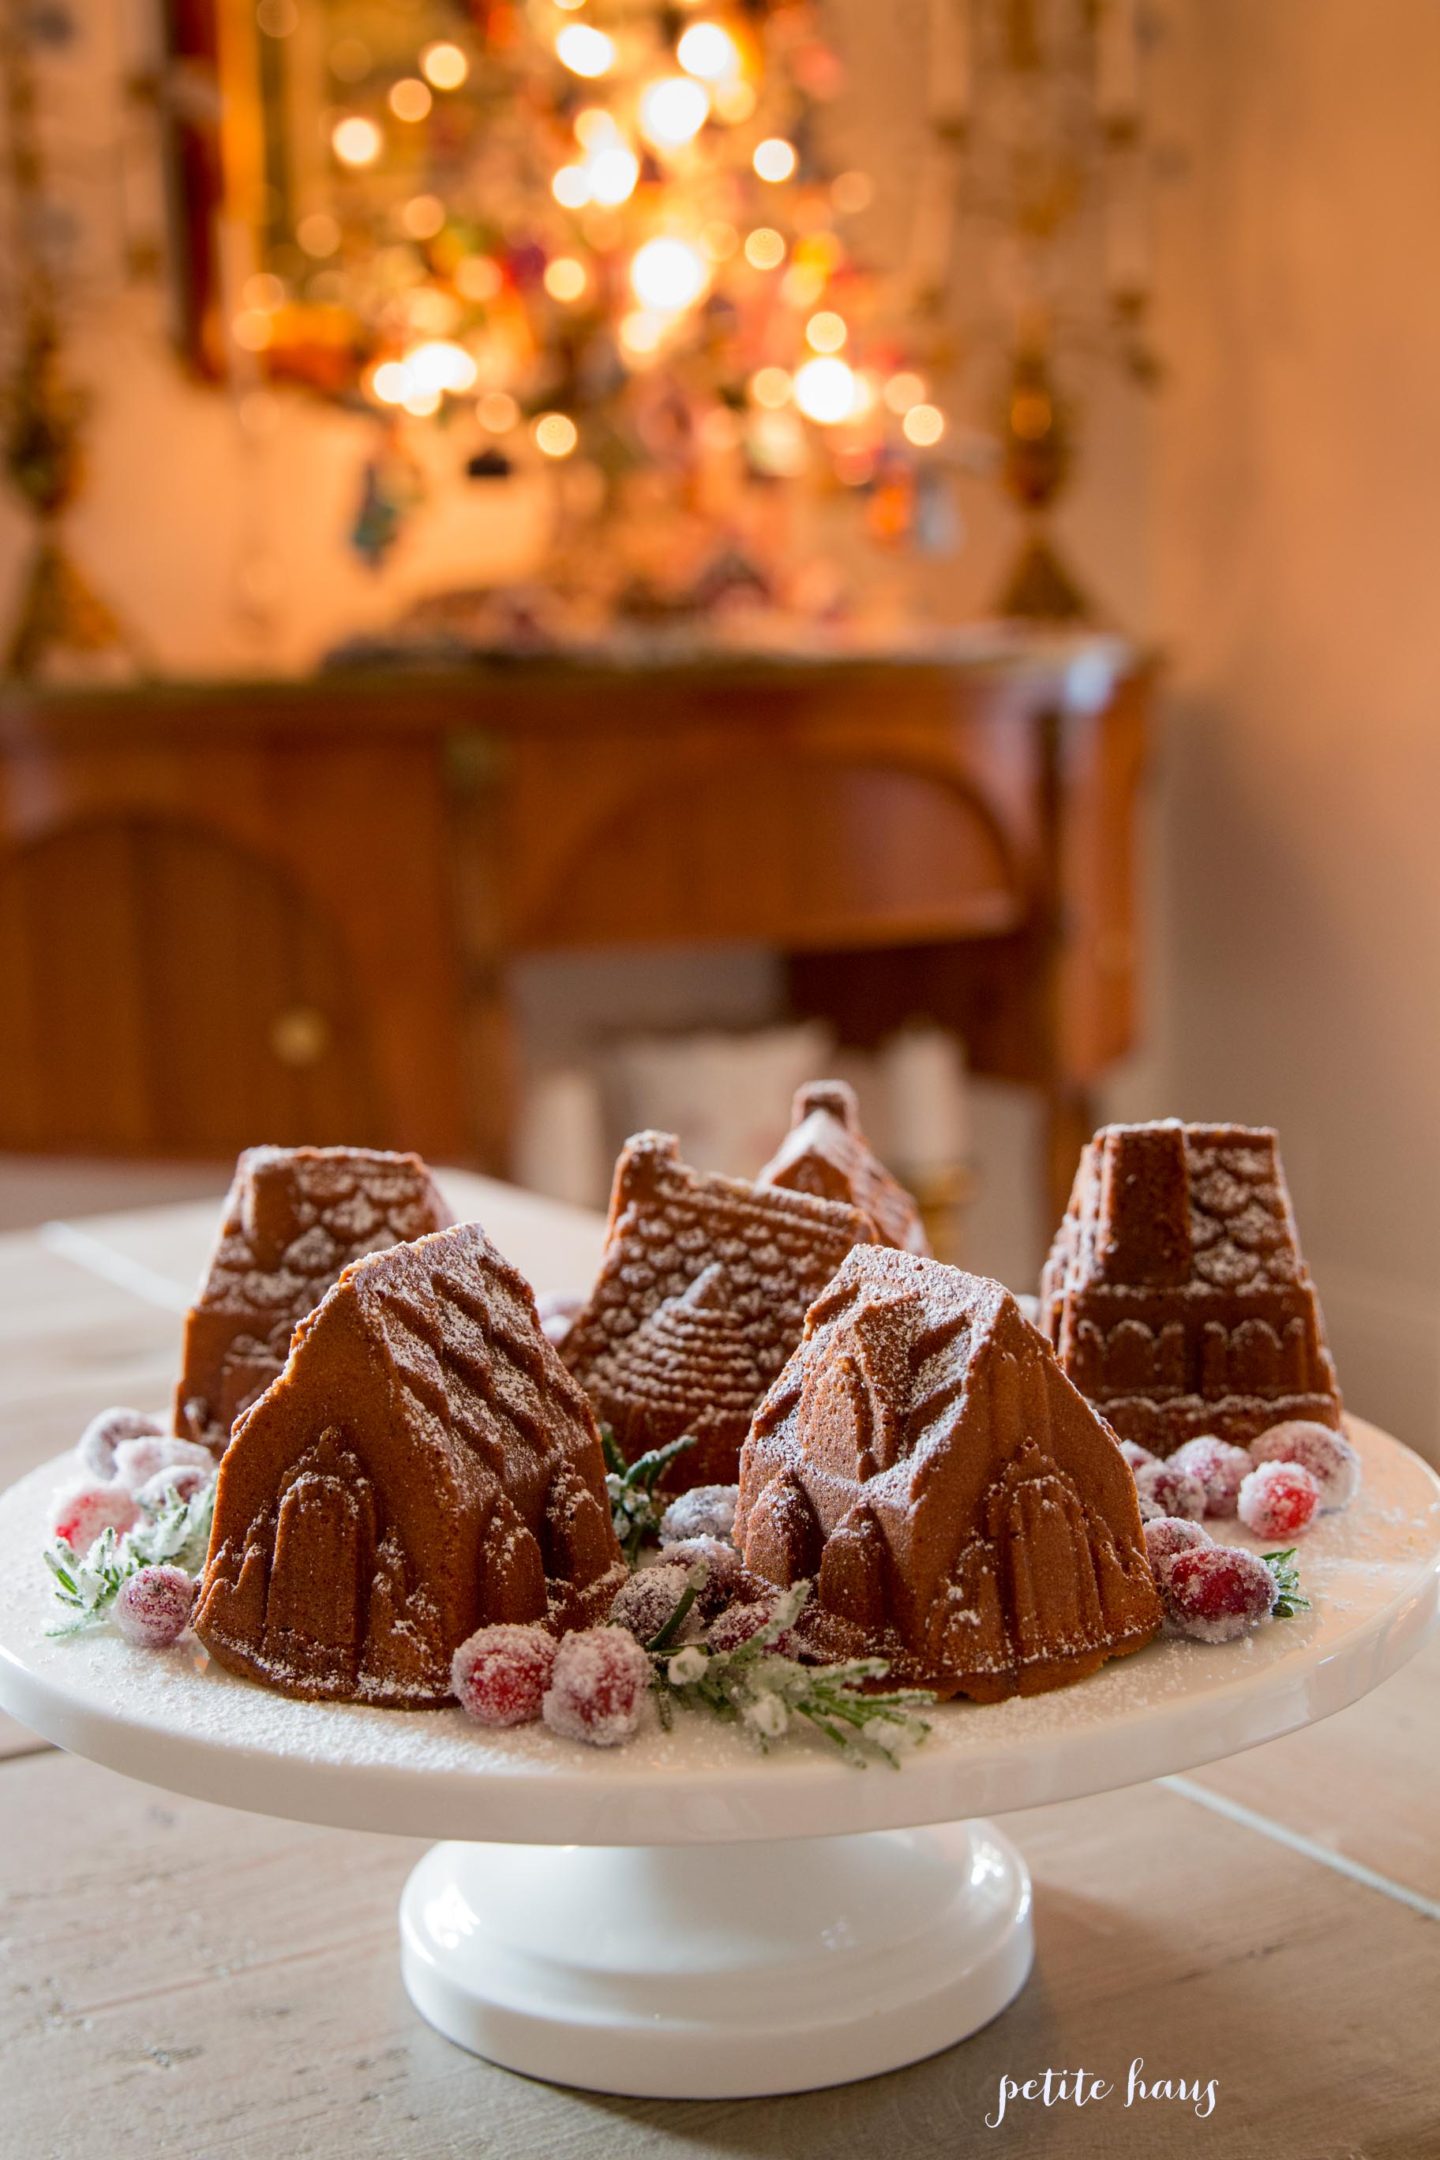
{"x": 700, "y": 1298}
{"x": 423, "y": 1466}
{"x": 826, "y": 1152}
{"x": 294, "y": 1219}
{"x": 960, "y": 1508}
{"x": 1175, "y": 1293}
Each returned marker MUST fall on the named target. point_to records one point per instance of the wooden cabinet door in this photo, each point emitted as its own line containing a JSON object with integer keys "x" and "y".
{"x": 164, "y": 990}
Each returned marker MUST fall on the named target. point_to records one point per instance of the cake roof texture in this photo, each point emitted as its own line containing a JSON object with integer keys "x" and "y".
{"x": 826, "y": 1152}
{"x": 1175, "y": 1292}
{"x": 294, "y": 1219}
{"x": 423, "y": 1466}
{"x": 961, "y": 1509}
{"x": 700, "y": 1298}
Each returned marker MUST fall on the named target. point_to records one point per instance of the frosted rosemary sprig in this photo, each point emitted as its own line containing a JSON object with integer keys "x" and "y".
{"x": 757, "y": 1687}
{"x": 89, "y": 1583}
{"x": 1288, "y": 1600}
{"x": 634, "y": 1508}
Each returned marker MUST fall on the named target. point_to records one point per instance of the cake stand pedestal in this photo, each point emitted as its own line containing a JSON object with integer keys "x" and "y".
{"x": 681, "y": 1917}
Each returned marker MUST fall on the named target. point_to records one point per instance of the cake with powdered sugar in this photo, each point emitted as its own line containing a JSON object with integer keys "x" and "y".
{"x": 826, "y": 1152}
{"x": 961, "y": 1510}
{"x": 700, "y": 1298}
{"x": 1175, "y": 1292}
{"x": 294, "y": 1219}
{"x": 424, "y": 1466}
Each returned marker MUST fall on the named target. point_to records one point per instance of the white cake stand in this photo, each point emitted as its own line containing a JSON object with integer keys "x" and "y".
{"x": 682, "y": 1917}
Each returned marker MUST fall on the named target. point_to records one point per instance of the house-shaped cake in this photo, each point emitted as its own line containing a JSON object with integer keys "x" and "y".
{"x": 826, "y": 1152}
{"x": 700, "y": 1298}
{"x": 294, "y": 1219}
{"x": 1175, "y": 1293}
{"x": 424, "y": 1466}
{"x": 960, "y": 1508}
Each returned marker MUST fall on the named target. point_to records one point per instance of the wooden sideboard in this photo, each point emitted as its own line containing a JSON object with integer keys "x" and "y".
{"x": 285, "y": 910}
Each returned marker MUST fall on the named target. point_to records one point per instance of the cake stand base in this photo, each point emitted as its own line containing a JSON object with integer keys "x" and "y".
{"x": 712, "y": 1972}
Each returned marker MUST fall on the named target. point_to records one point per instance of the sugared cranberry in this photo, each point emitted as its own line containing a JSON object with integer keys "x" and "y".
{"x": 1327, "y": 1455}
{"x": 598, "y": 1687}
{"x": 739, "y": 1622}
{"x": 1216, "y": 1592}
{"x": 1219, "y": 1467}
{"x": 704, "y": 1511}
{"x": 1279, "y": 1500}
{"x": 139, "y": 1460}
{"x": 647, "y": 1603}
{"x": 500, "y": 1673}
{"x": 725, "y": 1577}
{"x": 82, "y": 1513}
{"x": 167, "y": 1487}
{"x": 153, "y": 1606}
{"x": 1167, "y": 1535}
{"x": 97, "y": 1444}
{"x": 1164, "y": 1490}
{"x": 1135, "y": 1455}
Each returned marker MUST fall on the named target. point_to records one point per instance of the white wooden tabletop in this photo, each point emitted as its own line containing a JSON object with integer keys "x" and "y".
{"x": 179, "y": 1979}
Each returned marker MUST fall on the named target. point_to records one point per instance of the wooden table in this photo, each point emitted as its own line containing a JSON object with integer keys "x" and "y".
{"x": 177, "y": 1979}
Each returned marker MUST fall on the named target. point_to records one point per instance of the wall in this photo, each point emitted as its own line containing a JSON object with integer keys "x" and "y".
{"x": 1296, "y": 534}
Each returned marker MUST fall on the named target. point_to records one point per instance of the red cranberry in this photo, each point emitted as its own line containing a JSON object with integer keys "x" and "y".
{"x": 598, "y": 1687}
{"x": 1279, "y": 1500}
{"x": 500, "y": 1673}
{"x": 1216, "y": 1592}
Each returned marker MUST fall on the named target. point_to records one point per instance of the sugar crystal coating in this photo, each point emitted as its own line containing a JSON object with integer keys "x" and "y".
{"x": 1328, "y": 1456}
{"x": 153, "y": 1606}
{"x": 1219, "y": 1467}
{"x": 647, "y": 1603}
{"x": 1166, "y": 1535}
{"x": 826, "y": 1153}
{"x": 138, "y": 1461}
{"x": 1279, "y": 1500}
{"x": 500, "y": 1674}
{"x": 1163, "y": 1489}
{"x": 598, "y": 1688}
{"x": 1217, "y": 1593}
{"x": 84, "y": 1512}
{"x": 706, "y": 1511}
{"x": 97, "y": 1444}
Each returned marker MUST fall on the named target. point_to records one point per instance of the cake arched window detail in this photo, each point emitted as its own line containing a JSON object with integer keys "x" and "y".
{"x": 423, "y": 1466}
{"x": 1175, "y": 1292}
{"x": 991, "y": 1544}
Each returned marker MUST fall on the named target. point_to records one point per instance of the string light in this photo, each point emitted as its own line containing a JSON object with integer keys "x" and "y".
{"x": 391, "y": 382}
{"x": 707, "y": 51}
{"x": 668, "y": 275}
{"x": 355, "y": 140}
{"x": 478, "y": 277}
{"x": 585, "y": 50}
{"x": 422, "y": 403}
{"x": 423, "y": 216}
{"x": 264, "y": 290}
{"x": 770, "y": 387}
{"x": 852, "y": 192}
{"x": 444, "y": 65}
{"x": 719, "y": 240}
{"x": 611, "y": 174}
{"x": 904, "y": 390}
{"x": 571, "y": 187}
{"x": 409, "y": 98}
{"x": 775, "y": 159}
{"x": 642, "y": 332}
{"x": 923, "y": 425}
{"x": 252, "y": 329}
{"x": 825, "y": 391}
{"x": 439, "y": 366}
{"x": 672, "y": 111}
{"x": 826, "y": 332}
{"x": 497, "y": 411}
{"x": 318, "y": 234}
{"x": 565, "y": 278}
{"x": 594, "y": 127}
{"x": 555, "y": 434}
{"x": 764, "y": 248}
{"x": 734, "y": 101}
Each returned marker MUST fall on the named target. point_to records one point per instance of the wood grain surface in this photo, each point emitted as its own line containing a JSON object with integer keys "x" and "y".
{"x": 178, "y": 1979}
